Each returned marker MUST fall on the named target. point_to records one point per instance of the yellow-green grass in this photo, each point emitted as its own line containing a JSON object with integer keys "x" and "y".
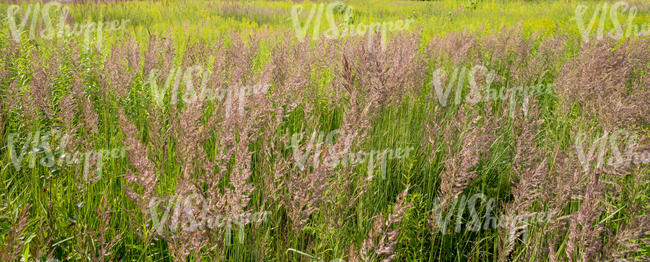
{"x": 192, "y": 20}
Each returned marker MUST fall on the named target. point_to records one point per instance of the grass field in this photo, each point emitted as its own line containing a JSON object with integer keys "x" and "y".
{"x": 194, "y": 130}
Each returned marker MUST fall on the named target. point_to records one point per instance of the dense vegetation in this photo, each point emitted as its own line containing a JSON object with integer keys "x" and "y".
{"x": 206, "y": 130}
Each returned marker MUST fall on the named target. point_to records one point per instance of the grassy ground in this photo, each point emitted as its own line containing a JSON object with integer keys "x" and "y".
{"x": 524, "y": 154}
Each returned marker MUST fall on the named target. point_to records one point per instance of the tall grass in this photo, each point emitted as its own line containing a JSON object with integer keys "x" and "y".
{"x": 238, "y": 154}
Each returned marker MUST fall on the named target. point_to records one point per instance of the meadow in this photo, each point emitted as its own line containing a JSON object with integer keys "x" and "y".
{"x": 380, "y": 130}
